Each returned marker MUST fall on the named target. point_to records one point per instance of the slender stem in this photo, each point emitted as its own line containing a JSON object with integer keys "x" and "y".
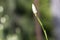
{"x": 36, "y": 2}
{"x": 41, "y": 26}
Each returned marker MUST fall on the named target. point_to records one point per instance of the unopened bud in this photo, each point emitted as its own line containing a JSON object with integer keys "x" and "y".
{"x": 34, "y": 9}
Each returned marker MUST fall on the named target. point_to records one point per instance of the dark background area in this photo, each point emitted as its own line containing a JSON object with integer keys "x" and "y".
{"x": 17, "y": 21}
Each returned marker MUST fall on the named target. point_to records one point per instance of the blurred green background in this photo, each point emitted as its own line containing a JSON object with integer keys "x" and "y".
{"x": 17, "y": 21}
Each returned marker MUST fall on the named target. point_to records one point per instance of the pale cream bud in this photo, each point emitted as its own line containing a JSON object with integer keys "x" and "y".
{"x": 34, "y": 9}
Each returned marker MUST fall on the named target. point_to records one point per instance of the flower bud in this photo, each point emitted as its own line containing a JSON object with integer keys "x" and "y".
{"x": 34, "y": 9}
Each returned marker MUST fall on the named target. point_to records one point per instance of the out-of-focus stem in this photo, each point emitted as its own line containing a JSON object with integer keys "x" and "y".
{"x": 37, "y": 26}
{"x": 38, "y": 30}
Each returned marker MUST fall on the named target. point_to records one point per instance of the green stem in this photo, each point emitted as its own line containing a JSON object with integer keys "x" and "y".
{"x": 41, "y": 26}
